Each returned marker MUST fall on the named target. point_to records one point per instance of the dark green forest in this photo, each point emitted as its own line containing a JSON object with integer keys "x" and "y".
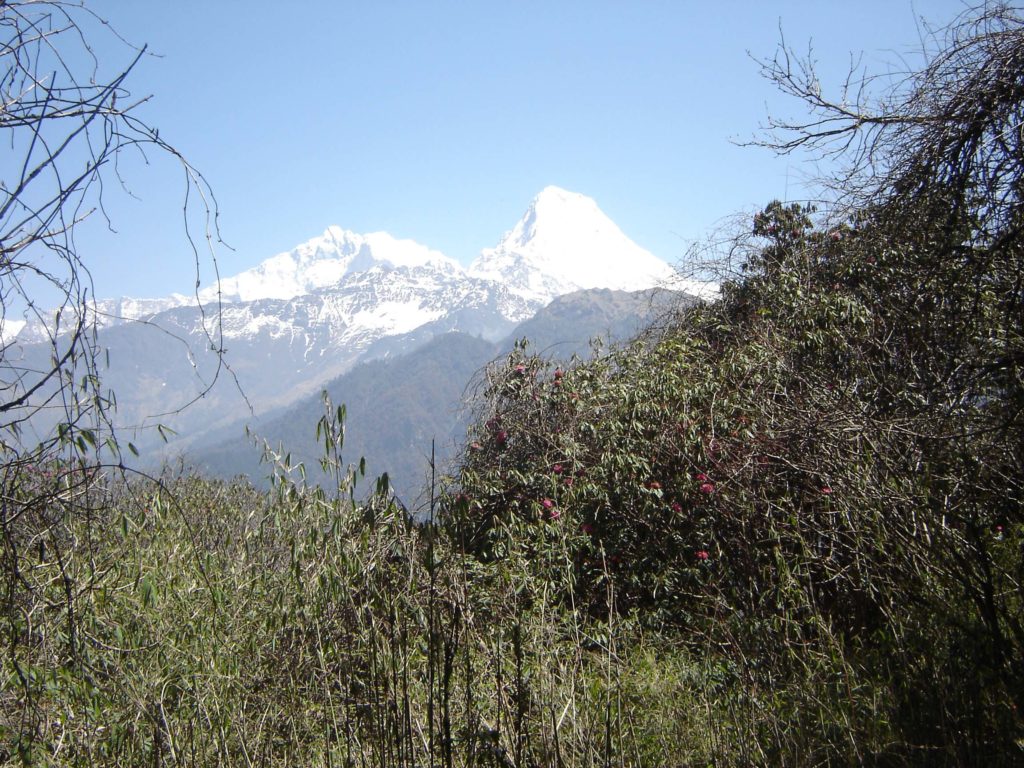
{"x": 783, "y": 527}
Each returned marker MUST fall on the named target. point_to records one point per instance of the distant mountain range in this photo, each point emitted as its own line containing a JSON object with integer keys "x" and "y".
{"x": 296, "y": 322}
{"x": 400, "y": 405}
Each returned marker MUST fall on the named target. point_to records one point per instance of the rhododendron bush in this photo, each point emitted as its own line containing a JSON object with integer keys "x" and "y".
{"x": 826, "y": 463}
{"x": 802, "y": 469}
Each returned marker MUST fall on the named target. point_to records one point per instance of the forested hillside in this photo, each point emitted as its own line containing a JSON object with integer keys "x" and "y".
{"x": 403, "y": 406}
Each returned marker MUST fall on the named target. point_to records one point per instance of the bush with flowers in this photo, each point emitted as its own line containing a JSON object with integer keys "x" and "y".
{"x": 822, "y": 470}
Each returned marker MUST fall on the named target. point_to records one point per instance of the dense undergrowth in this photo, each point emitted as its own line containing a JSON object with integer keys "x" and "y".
{"x": 792, "y": 482}
{"x": 781, "y": 528}
{"x": 210, "y": 624}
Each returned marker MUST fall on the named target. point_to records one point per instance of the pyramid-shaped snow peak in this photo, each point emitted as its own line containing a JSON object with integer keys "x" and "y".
{"x": 564, "y": 243}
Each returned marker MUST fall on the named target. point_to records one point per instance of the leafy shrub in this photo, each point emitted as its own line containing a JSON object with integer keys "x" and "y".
{"x": 824, "y": 465}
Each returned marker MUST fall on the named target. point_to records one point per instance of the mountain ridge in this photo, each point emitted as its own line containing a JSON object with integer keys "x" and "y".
{"x": 399, "y": 405}
{"x": 301, "y": 318}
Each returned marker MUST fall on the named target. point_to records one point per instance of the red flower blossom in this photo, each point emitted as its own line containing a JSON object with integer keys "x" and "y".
{"x": 702, "y": 554}
{"x": 520, "y": 369}
{"x": 551, "y": 509}
{"x": 557, "y": 469}
{"x": 701, "y": 477}
{"x": 677, "y": 507}
{"x": 707, "y": 488}
{"x": 826, "y": 490}
{"x": 501, "y": 438}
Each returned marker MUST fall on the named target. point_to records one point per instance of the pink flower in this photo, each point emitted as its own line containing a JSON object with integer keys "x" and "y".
{"x": 701, "y": 477}
{"x": 826, "y": 490}
{"x": 474, "y": 446}
{"x": 568, "y": 481}
{"x": 677, "y": 507}
{"x": 558, "y": 373}
{"x": 547, "y": 503}
{"x": 707, "y": 488}
{"x": 702, "y": 554}
{"x": 557, "y": 469}
{"x": 520, "y": 368}
{"x": 501, "y": 438}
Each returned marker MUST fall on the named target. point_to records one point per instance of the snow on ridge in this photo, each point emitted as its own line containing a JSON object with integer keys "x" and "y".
{"x": 395, "y": 317}
{"x": 407, "y": 253}
{"x": 322, "y": 262}
{"x": 9, "y": 329}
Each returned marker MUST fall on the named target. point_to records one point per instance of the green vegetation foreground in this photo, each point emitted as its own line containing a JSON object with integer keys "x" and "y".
{"x": 783, "y": 528}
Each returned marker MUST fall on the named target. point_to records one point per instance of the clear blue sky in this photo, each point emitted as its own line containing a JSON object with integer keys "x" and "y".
{"x": 439, "y": 121}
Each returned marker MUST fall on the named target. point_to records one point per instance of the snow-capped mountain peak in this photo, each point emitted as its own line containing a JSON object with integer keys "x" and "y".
{"x": 553, "y": 212}
{"x": 324, "y": 261}
{"x": 563, "y": 243}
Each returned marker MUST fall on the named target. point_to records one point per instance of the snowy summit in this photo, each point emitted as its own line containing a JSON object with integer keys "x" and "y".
{"x": 564, "y": 243}
{"x": 322, "y": 262}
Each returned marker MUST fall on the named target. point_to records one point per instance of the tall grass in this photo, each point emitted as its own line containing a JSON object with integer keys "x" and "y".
{"x": 197, "y": 622}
